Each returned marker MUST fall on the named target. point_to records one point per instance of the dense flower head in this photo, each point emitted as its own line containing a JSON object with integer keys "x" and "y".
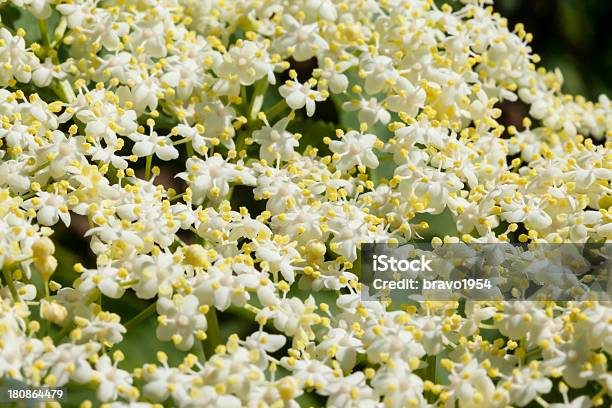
{"x": 145, "y": 126}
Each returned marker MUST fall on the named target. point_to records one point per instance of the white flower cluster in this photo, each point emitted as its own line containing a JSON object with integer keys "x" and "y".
{"x": 145, "y": 120}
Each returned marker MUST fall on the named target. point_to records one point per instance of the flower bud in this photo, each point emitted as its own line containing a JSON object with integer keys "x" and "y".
{"x": 42, "y": 248}
{"x": 287, "y": 388}
{"x": 195, "y": 255}
{"x": 53, "y": 311}
{"x": 46, "y": 267}
{"x": 315, "y": 250}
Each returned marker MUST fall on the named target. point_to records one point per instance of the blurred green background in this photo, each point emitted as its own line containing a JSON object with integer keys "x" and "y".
{"x": 574, "y": 35}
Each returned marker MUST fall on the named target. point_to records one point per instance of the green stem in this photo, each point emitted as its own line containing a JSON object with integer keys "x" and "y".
{"x": 356, "y": 269}
{"x": 148, "y": 167}
{"x": 177, "y": 197}
{"x": 142, "y": 316}
{"x": 28, "y": 195}
{"x": 431, "y": 368}
{"x": 542, "y": 402}
{"x": 430, "y": 374}
{"x": 62, "y": 333}
{"x": 258, "y": 98}
{"x": 275, "y": 110}
{"x": 129, "y": 283}
{"x": 213, "y": 333}
{"x": 8, "y": 278}
{"x": 44, "y": 33}
{"x": 373, "y": 175}
{"x": 63, "y": 90}
{"x": 532, "y": 352}
{"x": 47, "y": 294}
{"x": 178, "y": 142}
{"x": 243, "y": 95}
{"x": 59, "y": 32}
{"x": 21, "y": 260}
{"x": 42, "y": 166}
{"x": 189, "y": 147}
{"x": 241, "y": 140}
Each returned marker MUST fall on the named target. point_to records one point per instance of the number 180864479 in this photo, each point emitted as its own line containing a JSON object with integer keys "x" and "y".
{"x": 36, "y": 394}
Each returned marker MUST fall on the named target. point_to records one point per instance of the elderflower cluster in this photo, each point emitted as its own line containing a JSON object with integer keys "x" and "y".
{"x": 184, "y": 142}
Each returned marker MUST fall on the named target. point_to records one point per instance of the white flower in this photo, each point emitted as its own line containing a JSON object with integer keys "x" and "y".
{"x": 472, "y": 215}
{"x": 180, "y": 320}
{"x": 433, "y": 185}
{"x": 579, "y": 402}
{"x": 50, "y": 208}
{"x": 378, "y": 72}
{"x": 195, "y": 134}
{"x": 69, "y": 362}
{"x": 370, "y": 111}
{"x": 408, "y": 98}
{"x": 309, "y": 373}
{"x": 519, "y": 317}
{"x": 112, "y": 380}
{"x": 275, "y": 141}
{"x": 527, "y": 384}
{"x": 397, "y": 343}
{"x": 221, "y": 288}
{"x": 530, "y": 212}
{"x": 277, "y": 257}
{"x": 40, "y": 8}
{"x": 281, "y": 393}
{"x": 298, "y": 95}
{"x": 145, "y": 94}
{"x": 324, "y": 8}
{"x": 398, "y": 386}
{"x": 302, "y": 41}
{"x": 211, "y": 177}
{"x": 47, "y": 72}
{"x": 147, "y": 145}
{"x": 164, "y": 381}
{"x": 156, "y": 274}
{"x": 269, "y": 343}
{"x": 293, "y": 317}
{"x": 104, "y": 278}
{"x": 149, "y": 35}
{"x": 17, "y": 60}
{"x": 113, "y": 230}
{"x": 104, "y": 328}
{"x": 208, "y": 397}
{"x": 247, "y": 61}
{"x": 355, "y": 149}
{"x": 67, "y": 150}
{"x": 470, "y": 385}
{"x": 331, "y": 76}
{"x": 216, "y": 119}
{"x": 345, "y": 346}
{"x": 15, "y": 176}
{"x": 351, "y": 391}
